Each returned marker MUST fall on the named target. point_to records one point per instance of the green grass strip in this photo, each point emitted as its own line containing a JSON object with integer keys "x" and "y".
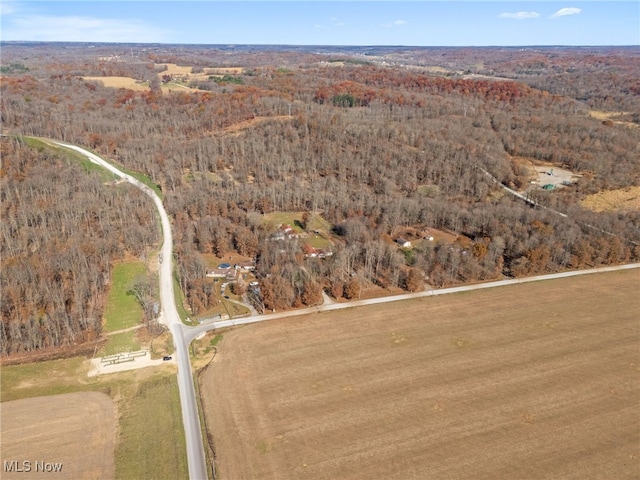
{"x": 42, "y": 378}
{"x": 123, "y": 309}
{"x": 144, "y": 179}
{"x": 151, "y": 441}
{"x": 177, "y": 294}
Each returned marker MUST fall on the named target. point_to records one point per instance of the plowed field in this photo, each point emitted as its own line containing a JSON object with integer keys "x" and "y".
{"x": 530, "y": 381}
{"x": 76, "y": 431}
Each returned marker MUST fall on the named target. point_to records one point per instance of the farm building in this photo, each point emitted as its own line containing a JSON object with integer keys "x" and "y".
{"x": 248, "y": 266}
{"x": 403, "y": 242}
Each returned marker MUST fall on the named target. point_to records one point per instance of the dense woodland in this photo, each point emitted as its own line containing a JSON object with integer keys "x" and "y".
{"x": 62, "y": 228}
{"x": 373, "y": 148}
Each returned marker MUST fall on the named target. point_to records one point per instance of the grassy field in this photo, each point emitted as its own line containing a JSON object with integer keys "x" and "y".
{"x": 44, "y": 378}
{"x": 148, "y": 428}
{"x": 138, "y": 86}
{"x": 289, "y": 218}
{"x": 625, "y": 200}
{"x": 152, "y": 422}
{"x": 121, "y": 342}
{"x": 528, "y": 381}
{"x": 120, "y": 82}
{"x": 122, "y": 309}
{"x": 317, "y": 241}
{"x": 612, "y": 116}
{"x": 184, "y": 72}
{"x": 294, "y": 219}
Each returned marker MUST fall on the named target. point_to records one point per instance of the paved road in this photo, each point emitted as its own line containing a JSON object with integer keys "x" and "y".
{"x": 193, "y": 332}
{"x": 169, "y": 316}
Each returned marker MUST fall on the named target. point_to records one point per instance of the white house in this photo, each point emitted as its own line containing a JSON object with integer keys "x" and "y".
{"x": 217, "y": 273}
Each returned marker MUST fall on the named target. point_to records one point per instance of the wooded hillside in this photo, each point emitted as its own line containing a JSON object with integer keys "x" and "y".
{"x": 62, "y": 228}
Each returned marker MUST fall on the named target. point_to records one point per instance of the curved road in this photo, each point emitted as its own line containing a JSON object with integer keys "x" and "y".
{"x": 169, "y": 316}
{"x": 183, "y": 335}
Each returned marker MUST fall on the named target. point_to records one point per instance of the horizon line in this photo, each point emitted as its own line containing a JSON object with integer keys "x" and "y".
{"x": 232, "y": 44}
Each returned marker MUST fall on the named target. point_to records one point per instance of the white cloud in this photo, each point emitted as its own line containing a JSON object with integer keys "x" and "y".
{"x": 519, "y": 15}
{"x": 563, "y": 12}
{"x": 80, "y": 29}
{"x": 397, "y": 23}
{"x": 334, "y": 22}
{"x": 7, "y": 7}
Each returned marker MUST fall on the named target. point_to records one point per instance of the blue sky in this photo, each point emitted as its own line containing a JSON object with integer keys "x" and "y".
{"x": 328, "y": 22}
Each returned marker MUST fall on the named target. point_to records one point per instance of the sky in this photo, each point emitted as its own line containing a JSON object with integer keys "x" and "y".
{"x": 325, "y": 22}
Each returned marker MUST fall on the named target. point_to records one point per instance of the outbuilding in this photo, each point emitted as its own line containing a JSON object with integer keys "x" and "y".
{"x": 403, "y": 242}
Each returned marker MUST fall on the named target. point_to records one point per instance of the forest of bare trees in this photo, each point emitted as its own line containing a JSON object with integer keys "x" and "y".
{"x": 62, "y": 229}
{"x": 372, "y": 148}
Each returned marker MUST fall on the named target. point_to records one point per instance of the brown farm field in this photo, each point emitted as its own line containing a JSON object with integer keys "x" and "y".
{"x": 613, "y": 200}
{"x": 53, "y": 430}
{"x": 120, "y": 82}
{"x": 173, "y": 69}
{"x": 540, "y": 380}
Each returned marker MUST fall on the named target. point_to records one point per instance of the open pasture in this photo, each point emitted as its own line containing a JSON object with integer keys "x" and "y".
{"x": 187, "y": 71}
{"x": 623, "y": 200}
{"x": 54, "y": 430}
{"x": 122, "y": 309}
{"x": 120, "y": 82}
{"x": 540, "y": 380}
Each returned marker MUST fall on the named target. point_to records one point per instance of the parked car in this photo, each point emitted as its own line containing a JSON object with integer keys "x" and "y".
{"x": 166, "y": 358}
